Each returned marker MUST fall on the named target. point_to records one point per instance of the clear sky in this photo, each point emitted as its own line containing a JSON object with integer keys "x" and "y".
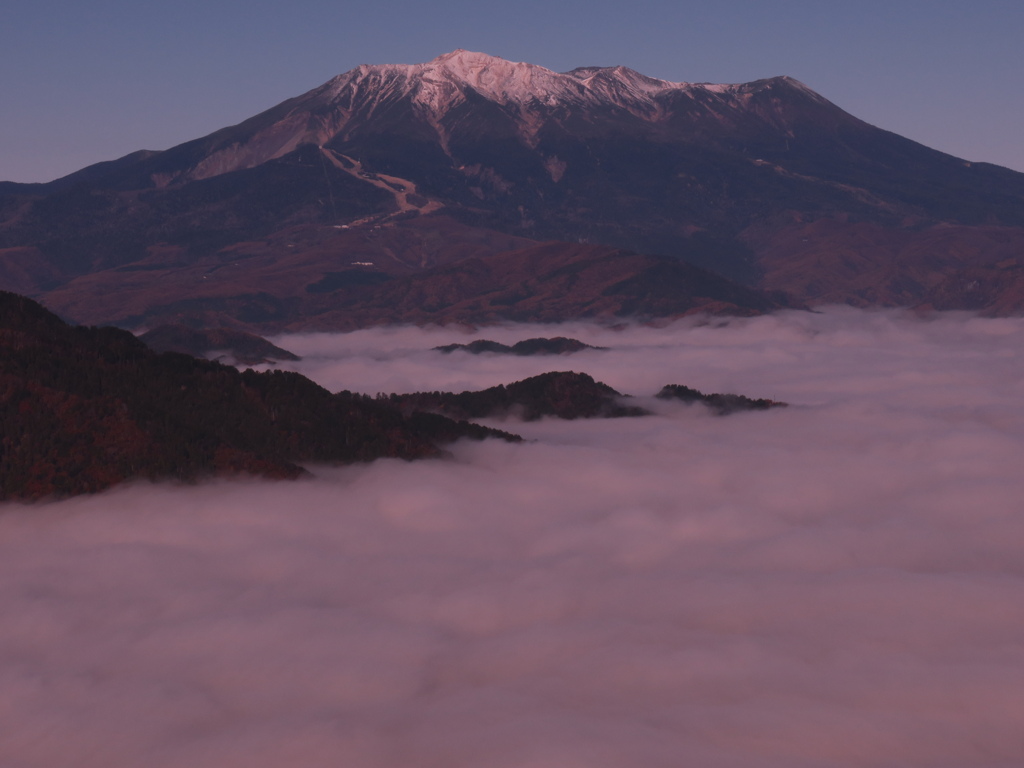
{"x": 88, "y": 80}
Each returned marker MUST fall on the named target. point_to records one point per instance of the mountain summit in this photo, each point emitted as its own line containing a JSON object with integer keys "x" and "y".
{"x": 444, "y": 82}
{"x": 439, "y": 93}
{"x": 337, "y": 207}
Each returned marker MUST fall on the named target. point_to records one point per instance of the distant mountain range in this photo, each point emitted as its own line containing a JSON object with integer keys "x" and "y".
{"x": 474, "y": 189}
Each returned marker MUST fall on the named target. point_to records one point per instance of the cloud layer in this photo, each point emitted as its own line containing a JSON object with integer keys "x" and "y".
{"x": 837, "y": 583}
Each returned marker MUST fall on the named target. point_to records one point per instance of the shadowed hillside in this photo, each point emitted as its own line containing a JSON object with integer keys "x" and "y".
{"x": 84, "y": 408}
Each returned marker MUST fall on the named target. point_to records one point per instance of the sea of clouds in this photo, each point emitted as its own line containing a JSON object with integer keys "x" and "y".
{"x": 837, "y": 583}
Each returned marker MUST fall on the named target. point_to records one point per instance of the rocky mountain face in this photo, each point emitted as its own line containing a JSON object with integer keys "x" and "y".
{"x": 315, "y": 211}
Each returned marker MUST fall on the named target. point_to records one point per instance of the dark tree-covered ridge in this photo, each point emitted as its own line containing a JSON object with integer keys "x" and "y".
{"x": 557, "y": 345}
{"x": 244, "y": 348}
{"x": 721, "y": 404}
{"x": 83, "y": 408}
{"x": 563, "y": 394}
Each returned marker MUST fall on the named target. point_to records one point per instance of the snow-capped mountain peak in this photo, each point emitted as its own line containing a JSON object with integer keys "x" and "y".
{"x": 403, "y": 96}
{"x": 492, "y": 77}
{"x": 442, "y": 82}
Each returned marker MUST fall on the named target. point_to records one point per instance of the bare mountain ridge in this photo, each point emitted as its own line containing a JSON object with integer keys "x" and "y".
{"x": 379, "y": 169}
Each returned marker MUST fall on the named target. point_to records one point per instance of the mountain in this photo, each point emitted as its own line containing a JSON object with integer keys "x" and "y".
{"x": 719, "y": 403}
{"x": 82, "y": 409}
{"x": 559, "y": 345}
{"x": 222, "y": 344}
{"x": 563, "y": 394}
{"x": 397, "y": 172}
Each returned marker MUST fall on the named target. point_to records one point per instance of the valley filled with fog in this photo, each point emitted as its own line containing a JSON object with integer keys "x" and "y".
{"x": 837, "y": 583}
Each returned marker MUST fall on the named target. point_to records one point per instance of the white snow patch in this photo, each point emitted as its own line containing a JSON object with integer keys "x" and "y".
{"x": 441, "y": 83}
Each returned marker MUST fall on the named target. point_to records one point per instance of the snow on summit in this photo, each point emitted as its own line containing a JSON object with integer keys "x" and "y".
{"x": 530, "y": 95}
{"x": 441, "y": 83}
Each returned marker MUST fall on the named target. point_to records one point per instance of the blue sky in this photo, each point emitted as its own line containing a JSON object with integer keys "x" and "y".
{"x": 92, "y": 80}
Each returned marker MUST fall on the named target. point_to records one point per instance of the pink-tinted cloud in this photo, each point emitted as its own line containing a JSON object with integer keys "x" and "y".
{"x": 837, "y": 583}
